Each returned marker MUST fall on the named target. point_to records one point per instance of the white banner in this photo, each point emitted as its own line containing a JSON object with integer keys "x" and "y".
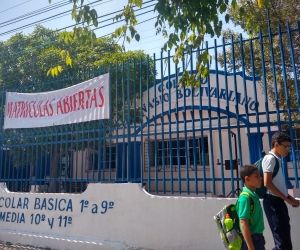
{"x": 86, "y": 101}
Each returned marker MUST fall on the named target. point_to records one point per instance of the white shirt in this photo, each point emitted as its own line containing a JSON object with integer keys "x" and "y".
{"x": 268, "y": 165}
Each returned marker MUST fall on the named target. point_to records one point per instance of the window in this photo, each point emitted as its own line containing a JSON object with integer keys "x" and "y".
{"x": 113, "y": 151}
{"x": 174, "y": 151}
{"x": 199, "y": 153}
{"x": 178, "y": 153}
{"x": 91, "y": 159}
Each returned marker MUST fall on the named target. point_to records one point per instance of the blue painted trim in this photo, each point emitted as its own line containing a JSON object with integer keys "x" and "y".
{"x": 212, "y": 71}
{"x": 175, "y": 110}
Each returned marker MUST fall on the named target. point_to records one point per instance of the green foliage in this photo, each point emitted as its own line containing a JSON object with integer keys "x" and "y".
{"x": 280, "y": 13}
{"x": 190, "y": 19}
{"x": 252, "y": 19}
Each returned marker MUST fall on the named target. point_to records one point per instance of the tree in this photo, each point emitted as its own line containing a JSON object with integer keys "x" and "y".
{"x": 191, "y": 20}
{"x": 25, "y": 61}
{"x": 277, "y": 17}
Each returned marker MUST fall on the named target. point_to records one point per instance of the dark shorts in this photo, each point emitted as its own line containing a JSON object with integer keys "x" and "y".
{"x": 258, "y": 242}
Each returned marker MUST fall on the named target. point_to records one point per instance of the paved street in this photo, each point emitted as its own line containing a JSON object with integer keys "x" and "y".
{"x": 10, "y": 246}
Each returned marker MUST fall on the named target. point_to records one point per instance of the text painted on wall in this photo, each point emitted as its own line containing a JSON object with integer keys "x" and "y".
{"x": 40, "y": 206}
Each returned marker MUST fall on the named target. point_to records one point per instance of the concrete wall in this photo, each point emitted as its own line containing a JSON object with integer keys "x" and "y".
{"x": 116, "y": 216}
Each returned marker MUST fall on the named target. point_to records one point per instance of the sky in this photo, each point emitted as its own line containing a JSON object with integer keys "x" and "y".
{"x": 149, "y": 42}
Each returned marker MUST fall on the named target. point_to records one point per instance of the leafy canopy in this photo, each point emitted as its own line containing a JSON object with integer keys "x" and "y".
{"x": 190, "y": 19}
{"x": 278, "y": 17}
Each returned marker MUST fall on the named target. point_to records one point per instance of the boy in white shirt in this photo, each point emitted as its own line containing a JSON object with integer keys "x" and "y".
{"x": 274, "y": 201}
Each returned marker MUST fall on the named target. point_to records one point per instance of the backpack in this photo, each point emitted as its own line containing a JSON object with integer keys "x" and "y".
{"x": 233, "y": 238}
{"x": 262, "y": 190}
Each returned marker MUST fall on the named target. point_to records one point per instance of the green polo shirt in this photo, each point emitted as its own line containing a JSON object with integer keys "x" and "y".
{"x": 256, "y": 220}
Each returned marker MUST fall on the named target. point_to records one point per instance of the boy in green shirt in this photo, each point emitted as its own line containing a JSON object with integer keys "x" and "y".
{"x": 251, "y": 219}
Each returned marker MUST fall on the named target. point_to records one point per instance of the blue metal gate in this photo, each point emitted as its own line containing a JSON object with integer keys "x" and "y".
{"x": 171, "y": 139}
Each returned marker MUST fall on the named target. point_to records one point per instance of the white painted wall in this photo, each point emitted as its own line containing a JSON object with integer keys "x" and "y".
{"x": 136, "y": 219}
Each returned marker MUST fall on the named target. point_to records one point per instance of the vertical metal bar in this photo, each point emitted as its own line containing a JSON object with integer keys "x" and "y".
{"x": 155, "y": 131}
{"x": 177, "y": 130}
{"x": 70, "y": 179}
{"x": 36, "y": 165}
{"x": 23, "y": 166}
{"x": 6, "y": 153}
{"x": 201, "y": 139}
{"x": 128, "y": 163}
{"x": 35, "y": 162}
{"x": 94, "y": 150}
{"x": 141, "y": 120}
{"x": 162, "y": 123}
{"x": 46, "y": 163}
{"x": 26, "y": 151}
{"x": 103, "y": 140}
{"x": 264, "y": 82}
{"x": 148, "y": 125}
{"x": 110, "y": 118}
{"x": 134, "y": 163}
{"x": 78, "y": 126}
{"x": 228, "y": 117}
{"x": 100, "y": 151}
{"x": 288, "y": 103}
{"x": 117, "y": 123}
{"x": 66, "y": 154}
{"x": 123, "y": 122}
{"x": 2, "y": 177}
{"x": 238, "y": 136}
{"x": 2, "y": 105}
{"x": 254, "y": 89}
{"x": 185, "y": 136}
{"x": 85, "y": 150}
{"x": 11, "y": 165}
{"x": 16, "y": 182}
{"x": 245, "y": 101}
{"x": 92, "y": 139}
{"x": 169, "y": 123}
{"x": 88, "y": 159}
{"x": 210, "y": 132}
{"x": 274, "y": 78}
{"x": 55, "y": 159}
{"x": 60, "y": 157}
{"x": 2, "y": 158}
{"x": 296, "y": 88}
{"x": 192, "y": 112}
{"x": 38, "y": 157}
{"x": 83, "y": 161}
{"x": 77, "y": 157}
{"x": 2, "y": 135}
{"x": 219, "y": 120}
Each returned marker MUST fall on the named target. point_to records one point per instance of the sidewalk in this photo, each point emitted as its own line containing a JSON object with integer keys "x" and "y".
{"x": 10, "y": 246}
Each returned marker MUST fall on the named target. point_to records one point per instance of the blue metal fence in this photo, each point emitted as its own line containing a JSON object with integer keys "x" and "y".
{"x": 171, "y": 139}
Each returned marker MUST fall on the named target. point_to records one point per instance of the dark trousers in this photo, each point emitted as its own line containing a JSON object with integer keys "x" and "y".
{"x": 279, "y": 221}
{"x": 258, "y": 242}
